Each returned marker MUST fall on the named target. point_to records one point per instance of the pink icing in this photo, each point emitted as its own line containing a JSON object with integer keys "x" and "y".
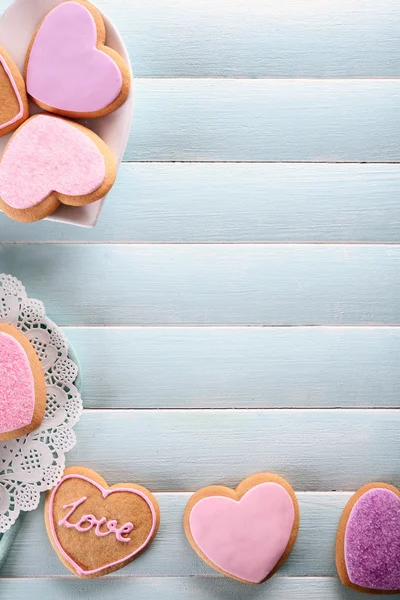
{"x": 16, "y": 91}
{"x": 49, "y": 154}
{"x": 112, "y": 525}
{"x": 17, "y": 385}
{"x": 65, "y": 70}
{"x": 245, "y": 538}
{"x": 105, "y": 493}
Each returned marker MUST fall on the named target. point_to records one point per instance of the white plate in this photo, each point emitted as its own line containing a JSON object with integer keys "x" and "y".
{"x": 17, "y": 26}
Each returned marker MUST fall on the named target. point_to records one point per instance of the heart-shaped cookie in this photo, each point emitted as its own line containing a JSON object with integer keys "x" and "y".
{"x": 49, "y": 161}
{"x": 14, "y": 108}
{"x": 96, "y": 529}
{"x": 368, "y": 540}
{"x": 22, "y": 385}
{"x": 246, "y": 533}
{"x": 69, "y": 70}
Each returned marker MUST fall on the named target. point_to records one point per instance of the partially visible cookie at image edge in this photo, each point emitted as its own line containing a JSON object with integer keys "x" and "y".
{"x": 22, "y": 385}
{"x": 368, "y": 540}
{"x": 14, "y": 109}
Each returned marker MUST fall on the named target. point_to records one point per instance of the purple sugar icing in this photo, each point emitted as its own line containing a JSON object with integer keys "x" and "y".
{"x": 372, "y": 541}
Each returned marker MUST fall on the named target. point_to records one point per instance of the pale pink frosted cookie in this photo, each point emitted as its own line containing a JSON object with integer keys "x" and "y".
{"x": 69, "y": 69}
{"x": 246, "y": 533}
{"x": 22, "y": 385}
{"x": 49, "y": 161}
{"x": 96, "y": 529}
{"x": 14, "y": 108}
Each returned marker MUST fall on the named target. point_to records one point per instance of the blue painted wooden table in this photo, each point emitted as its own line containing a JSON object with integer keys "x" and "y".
{"x": 237, "y": 307}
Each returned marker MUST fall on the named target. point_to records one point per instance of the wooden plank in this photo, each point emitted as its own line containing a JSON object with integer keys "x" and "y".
{"x": 255, "y": 367}
{"x": 6, "y": 541}
{"x": 171, "y": 556}
{"x": 220, "y": 38}
{"x": 170, "y": 588}
{"x": 183, "y": 450}
{"x": 210, "y": 284}
{"x": 238, "y": 202}
{"x": 291, "y": 38}
{"x": 323, "y": 120}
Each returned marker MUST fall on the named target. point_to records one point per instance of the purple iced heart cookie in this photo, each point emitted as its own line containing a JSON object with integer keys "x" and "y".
{"x": 69, "y": 69}
{"x": 368, "y": 544}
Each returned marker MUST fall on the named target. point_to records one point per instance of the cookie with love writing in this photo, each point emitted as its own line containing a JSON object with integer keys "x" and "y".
{"x": 14, "y": 108}
{"x": 247, "y": 533}
{"x": 368, "y": 540}
{"x": 69, "y": 70}
{"x": 96, "y": 529}
{"x": 51, "y": 161}
{"x": 22, "y": 385}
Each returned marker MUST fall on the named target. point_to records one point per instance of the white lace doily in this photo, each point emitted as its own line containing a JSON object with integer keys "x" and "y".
{"x": 35, "y": 462}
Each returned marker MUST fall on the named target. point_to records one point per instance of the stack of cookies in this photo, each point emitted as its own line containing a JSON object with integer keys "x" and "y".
{"x": 69, "y": 72}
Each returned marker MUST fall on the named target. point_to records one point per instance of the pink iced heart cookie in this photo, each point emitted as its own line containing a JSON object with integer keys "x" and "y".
{"x": 49, "y": 161}
{"x": 14, "y": 108}
{"x": 69, "y": 70}
{"x": 246, "y": 533}
{"x": 96, "y": 529}
{"x": 368, "y": 540}
{"x": 22, "y": 385}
